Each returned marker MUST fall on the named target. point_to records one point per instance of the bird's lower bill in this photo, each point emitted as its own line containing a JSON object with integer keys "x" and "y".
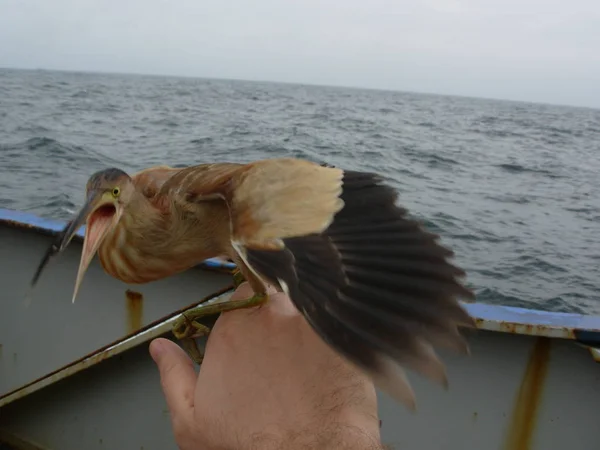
{"x": 99, "y": 223}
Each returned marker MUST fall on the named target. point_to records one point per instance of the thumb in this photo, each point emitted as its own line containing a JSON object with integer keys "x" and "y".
{"x": 177, "y": 377}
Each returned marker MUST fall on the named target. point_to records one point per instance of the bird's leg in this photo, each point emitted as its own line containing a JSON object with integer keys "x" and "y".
{"x": 189, "y": 343}
{"x": 238, "y": 277}
{"x": 186, "y": 328}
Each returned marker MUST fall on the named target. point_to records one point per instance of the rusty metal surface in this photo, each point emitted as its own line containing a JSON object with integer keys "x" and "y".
{"x": 525, "y": 413}
{"x": 531, "y": 322}
{"x": 134, "y": 302}
{"x": 504, "y": 326}
{"x": 476, "y": 412}
{"x": 514, "y": 392}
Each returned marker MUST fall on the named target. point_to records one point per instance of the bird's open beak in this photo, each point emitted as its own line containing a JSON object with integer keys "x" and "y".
{"x": 99, "y": 213}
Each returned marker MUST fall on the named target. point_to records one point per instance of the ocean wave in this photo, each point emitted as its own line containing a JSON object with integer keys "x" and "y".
{"x": 499, "y": 181}
{"x": 520, "y": 168}
{"x": 44, "y": 149}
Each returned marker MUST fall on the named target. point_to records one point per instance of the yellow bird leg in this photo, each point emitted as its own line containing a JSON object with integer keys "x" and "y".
{"x": 186, "y": 328}
{"x": 189, "y": 344}
{"x": 238, "y": 278}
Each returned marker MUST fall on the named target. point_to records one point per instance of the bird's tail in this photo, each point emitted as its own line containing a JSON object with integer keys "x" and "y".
{"x": 375, "y": 286}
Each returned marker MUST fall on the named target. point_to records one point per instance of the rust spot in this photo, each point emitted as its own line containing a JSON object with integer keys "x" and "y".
{"x": 135, "y": 309}
{"x": 525, "y": 409}
{"x": 526, "y": 328}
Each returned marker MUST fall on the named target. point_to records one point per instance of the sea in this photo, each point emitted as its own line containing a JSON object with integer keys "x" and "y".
{"x": 513, "y": 188}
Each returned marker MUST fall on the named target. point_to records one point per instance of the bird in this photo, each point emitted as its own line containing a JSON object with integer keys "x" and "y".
{"x": 373, "y": 283}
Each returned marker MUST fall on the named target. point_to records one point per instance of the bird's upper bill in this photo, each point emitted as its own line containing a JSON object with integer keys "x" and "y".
{"x": 100, "y": 213}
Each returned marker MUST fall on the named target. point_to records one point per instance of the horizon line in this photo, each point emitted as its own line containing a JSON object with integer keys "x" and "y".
{"x": 298, "y": 83}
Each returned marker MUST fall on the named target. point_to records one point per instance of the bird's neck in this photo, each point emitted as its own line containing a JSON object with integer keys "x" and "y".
{"x": 200, "y": 231}
{"x": 154, "y": 240}
{"x": 139, "y": 216}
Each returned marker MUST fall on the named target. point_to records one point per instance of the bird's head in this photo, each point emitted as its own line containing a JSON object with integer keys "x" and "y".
{"x": 107, "y": 194}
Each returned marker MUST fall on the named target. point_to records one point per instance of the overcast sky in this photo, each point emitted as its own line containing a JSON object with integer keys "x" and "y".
{"x": 536, "y": 50}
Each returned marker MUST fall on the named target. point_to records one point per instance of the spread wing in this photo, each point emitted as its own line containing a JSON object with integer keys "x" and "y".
{"x": 372, "y": 283}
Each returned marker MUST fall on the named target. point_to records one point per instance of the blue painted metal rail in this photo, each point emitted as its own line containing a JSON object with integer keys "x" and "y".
{"x": 27, "y": 220}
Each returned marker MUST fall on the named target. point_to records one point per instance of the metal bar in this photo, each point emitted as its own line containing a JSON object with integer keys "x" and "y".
{"x": 136, "y": 339}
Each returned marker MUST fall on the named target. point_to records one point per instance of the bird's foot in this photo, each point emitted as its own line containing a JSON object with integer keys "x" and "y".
{"x": 191, "y": 347}
{"x": 238, "y": 278}
{"x": 187, "y": 328}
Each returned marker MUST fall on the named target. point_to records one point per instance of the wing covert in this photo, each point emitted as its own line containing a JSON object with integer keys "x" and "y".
{"x": 269, "y": 200}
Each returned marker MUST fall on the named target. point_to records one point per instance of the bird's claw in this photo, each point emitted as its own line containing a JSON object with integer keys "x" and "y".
{"x": 187, "y": 330}
{"x": 186, "y": 327}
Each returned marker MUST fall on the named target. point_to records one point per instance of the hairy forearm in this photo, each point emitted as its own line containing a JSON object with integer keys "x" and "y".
{"x": 338, "y": 436}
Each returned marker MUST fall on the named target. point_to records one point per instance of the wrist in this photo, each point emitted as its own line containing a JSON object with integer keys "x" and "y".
{"x": 346, "y": 431}
{"x": 350, "y": 430}
{"x": 341, "y": 436}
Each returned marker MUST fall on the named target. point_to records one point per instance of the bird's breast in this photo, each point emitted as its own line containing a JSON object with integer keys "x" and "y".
{"x": 126, "y": 258}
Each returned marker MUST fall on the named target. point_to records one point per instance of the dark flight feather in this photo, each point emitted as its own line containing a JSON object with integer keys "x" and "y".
{"x": 374, "y": 285}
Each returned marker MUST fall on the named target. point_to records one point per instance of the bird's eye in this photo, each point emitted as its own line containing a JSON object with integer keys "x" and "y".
{"x": 116, "y": 191}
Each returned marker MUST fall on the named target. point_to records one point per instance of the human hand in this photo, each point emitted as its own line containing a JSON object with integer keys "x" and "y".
{"x": 267, "y": 381}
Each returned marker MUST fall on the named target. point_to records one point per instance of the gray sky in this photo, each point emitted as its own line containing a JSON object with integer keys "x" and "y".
{"x": 537, "y": 50}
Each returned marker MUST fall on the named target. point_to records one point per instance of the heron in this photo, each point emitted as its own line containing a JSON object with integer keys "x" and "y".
{"x": 372, "y": 282}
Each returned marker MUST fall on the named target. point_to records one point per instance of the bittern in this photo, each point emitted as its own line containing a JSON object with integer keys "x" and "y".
{"x": 373, "y": 283}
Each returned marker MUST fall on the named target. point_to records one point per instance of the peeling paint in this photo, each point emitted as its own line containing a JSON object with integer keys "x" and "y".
{"x": 524, "y": 416}
{"x": 526, "y": 328}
